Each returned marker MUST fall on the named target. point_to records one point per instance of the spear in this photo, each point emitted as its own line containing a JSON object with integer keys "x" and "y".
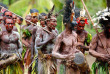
{"x": 95, "y": 27}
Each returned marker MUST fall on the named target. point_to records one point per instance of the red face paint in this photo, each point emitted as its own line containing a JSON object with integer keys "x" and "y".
{"x": 52, "y": 23}
{"x": 9, "y": 24}
{"x": 42, "y": 23}
{"x": 80, "y": 24}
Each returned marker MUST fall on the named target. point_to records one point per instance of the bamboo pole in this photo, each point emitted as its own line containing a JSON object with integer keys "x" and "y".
{"x": 93, "y": 24}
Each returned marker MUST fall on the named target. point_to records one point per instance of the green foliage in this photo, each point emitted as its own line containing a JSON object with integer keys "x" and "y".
{"x": 27, "y": 33}
{"x": 4, "y": 2}
{"x": 89, "y": 38}
{"x": 101, "y": 66}
{"x": 19, "y": 7}
{"x": 22, "y": 7}
{"x": 43, "y": 5}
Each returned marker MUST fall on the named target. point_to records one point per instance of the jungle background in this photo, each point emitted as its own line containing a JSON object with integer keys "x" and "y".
{"x": 22, "y": 8}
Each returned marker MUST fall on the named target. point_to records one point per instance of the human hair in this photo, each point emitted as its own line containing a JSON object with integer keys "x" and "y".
{"x": 5, "y": 12}
{"x": 67, "y": 11}
{"x": 21, "y": 19}
{"x": 104, "y": 22}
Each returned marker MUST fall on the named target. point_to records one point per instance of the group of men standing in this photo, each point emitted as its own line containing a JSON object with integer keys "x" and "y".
{"x": 38, "y": 48}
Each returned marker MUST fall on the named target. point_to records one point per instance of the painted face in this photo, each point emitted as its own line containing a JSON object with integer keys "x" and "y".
{"x": 19, "y": 21}
{"x": 81, "y": 25}
{"x": 34, "y": 19}
{"x": 53, "y": 23}
{"x": 8, "y": 15}
{"x": 42, "y": 21}
{"x": 9, "y": 24}
{"x": 14, "y": 17}
{"x": 28, "y": 18}
{"x": 80, "y": 28}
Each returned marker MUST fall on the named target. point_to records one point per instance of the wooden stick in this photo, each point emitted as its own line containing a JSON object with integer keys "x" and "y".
{"x": 4, "y": 63}
{"x": 25, "y": 19}
{"x": 93, "y": 24}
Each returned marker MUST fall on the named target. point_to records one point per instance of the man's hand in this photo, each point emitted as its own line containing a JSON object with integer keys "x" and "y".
{"x": 52, "y": 36}
{"x": 70, "y": 56}
{"x": 105, "y": 57}
{"x": 82, "y": 47}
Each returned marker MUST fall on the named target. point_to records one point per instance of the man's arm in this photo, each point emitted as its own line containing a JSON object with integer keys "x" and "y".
{"x": 33, "y": 42}
{"x": 20, "y": 47}
{"x": 25, "y": 43}
{"x": 40, "y": 43}
{"x": 93, "y": 46}
{"x": 15, "y": 29}
{"x": 19, "y": 51}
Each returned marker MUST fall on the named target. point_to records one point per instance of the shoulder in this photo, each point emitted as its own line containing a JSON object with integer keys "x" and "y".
{"x": 74, "y": 33}
{"x": 95, "y": 37}
{"x": 15, "y": 28}
{"x": 60, "y": 36}
{"x": 100, "y": 34}
{"x": 23, "y": 26}
{"x": 86, "y": 33}
{"x": 36, "y": 28}
{"x": 56, "y": 30}
{"x": 16, "y": 33}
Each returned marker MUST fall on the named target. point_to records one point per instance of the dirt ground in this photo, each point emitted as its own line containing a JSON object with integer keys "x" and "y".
{"x": 90, "y": 59}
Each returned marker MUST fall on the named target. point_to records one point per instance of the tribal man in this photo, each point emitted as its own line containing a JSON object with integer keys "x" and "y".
{"x": 18, "y": 24}
{"x": 28, "y": 18}
{"x": 11, "y": 49}
{"x": 7, "y": 14}
{"x": 44, "y": 41}
{"x": 27, "y": 35}
{"x": 65, "y": 46}
{"x": 42, "y": 18}
{"x": 83, "y": 37}
{"x": 14, "y": 17}
{"x": 100, "y": 45}
{"x": 26, "y": 43}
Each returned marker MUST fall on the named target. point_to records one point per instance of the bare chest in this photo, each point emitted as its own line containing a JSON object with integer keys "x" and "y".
{"x": 81, "y": 37}
{"x": 12, "y": 38}
{"x": 104, "y": 42}
{"x": 69, "y": 40}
